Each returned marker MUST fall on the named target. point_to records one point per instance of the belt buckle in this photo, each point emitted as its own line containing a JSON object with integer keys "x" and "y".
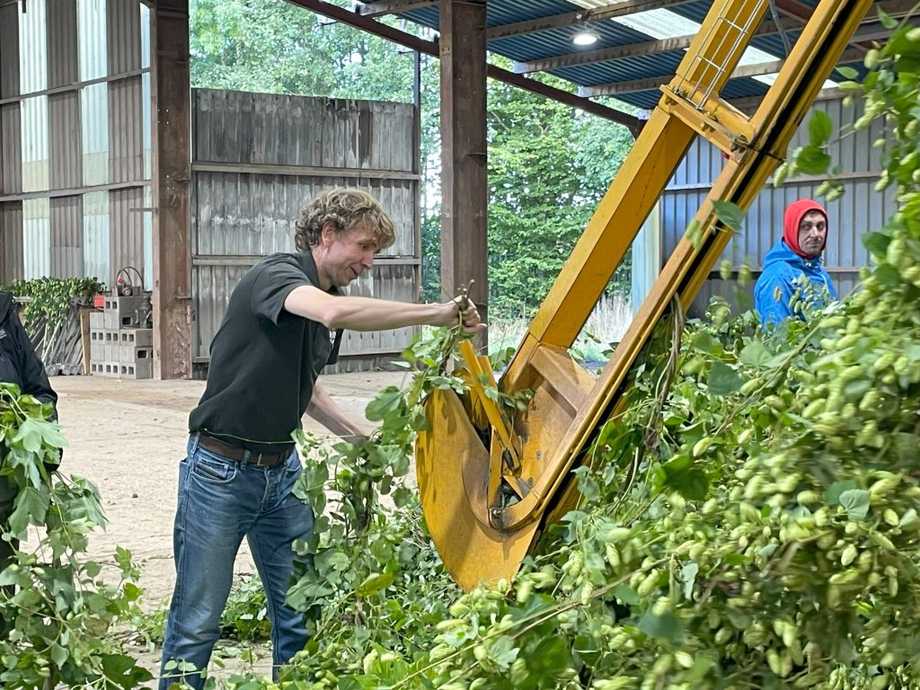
{"x": 254, "y": 459}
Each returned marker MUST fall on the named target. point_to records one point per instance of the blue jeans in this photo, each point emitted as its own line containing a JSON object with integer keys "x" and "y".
{"x": 220, "y": 501}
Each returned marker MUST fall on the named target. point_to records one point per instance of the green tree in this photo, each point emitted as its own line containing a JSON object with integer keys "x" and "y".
{"x": 549, "y": 165}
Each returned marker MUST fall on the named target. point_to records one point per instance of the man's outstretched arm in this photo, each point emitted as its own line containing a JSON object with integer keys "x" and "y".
{"x": 327, "y": 412}
{"x": 370, "y": 314}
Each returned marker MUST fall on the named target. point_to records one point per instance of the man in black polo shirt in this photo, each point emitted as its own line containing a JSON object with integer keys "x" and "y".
{"x": 241, "y": 465}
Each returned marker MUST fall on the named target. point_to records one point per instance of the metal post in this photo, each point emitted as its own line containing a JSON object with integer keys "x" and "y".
{"x": 171, "y": 258}
{"x": 464, "y": 248}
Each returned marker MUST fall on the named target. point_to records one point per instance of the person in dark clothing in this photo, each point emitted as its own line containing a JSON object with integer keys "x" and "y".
{"x": 793, "y": 266}
{"x": 19, "y": 365}
{"x": 241, "y": 464}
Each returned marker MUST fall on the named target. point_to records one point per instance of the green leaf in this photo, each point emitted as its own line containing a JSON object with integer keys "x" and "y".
{"x": 812, "y": 160}
{"x": 832, "y": 493}
{"x": 856, "y": 503}
{"x": 877, "y": 243}
{"x": 723, "y": 380}
{"x": 31, "y": 506}
{"x": 755, "y": 354}
{"x": 688, "y": 577}
{"x": 887, "y": 275}
{"x": 59, "y": 655}
{"x": 729, "y": 214}
{"x": 848, "y": 72}
{"x": 502, "y": 652}
{"x": 820, "y": 128}
{"x": 385, "y": 404}
{"x": 887, "y": 20}
{"x": 402, "y": 497}
{"x": 626, "y": 594}
{"x": 123, "y": 671}
{"x": 705, "y": 342}
{"x": 665, "y": 627}
{"x": 373, "y": 583}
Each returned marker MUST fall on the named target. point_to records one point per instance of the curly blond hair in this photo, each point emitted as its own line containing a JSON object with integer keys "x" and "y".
{"x": 344, "y": 208}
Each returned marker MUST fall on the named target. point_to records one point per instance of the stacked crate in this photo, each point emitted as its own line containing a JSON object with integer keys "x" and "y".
{"x": 119, "y": 344}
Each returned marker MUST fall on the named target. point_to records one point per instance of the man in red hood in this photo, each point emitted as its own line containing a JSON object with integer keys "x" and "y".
{"x": 793, "y": 266}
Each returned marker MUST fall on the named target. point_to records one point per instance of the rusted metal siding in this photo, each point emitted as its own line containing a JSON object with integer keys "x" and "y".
{"x": 126, "y": 148}
{"x": 860, "y": 210}
{"x": 258, "y": 159}
{"x": 11, "y": 261}
{"x": 11, "y": 150}
{"x": 9, "y": 51}
{"x": 67, "y": 236}
{"x": 63, "y": 64}
{"x": 126, "y": 223}
{"x": 124, "y": 36}
{"x": 64, "y": 116}
{"x": 33, "y": 47}
{"x": 36, "y": 238}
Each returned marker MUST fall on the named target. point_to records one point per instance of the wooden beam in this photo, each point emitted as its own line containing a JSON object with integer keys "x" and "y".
{"x": 870, "y": 32}
{"x": 378, "y": 9}
{"x": 464, "y": 185}
{"x": 340, "y": 14}
{"x": 754, "y": 70}
{"x": 621, "y": 8}
{"x": 172, "y": 333}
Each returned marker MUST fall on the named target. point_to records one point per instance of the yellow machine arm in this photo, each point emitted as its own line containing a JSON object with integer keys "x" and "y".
{"x": 485, "y": 506}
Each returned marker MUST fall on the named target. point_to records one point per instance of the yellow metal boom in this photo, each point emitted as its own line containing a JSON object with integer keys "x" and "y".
{"x": 486, "y": 506}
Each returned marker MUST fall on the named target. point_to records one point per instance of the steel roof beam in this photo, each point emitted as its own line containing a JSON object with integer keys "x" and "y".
{"x": 431, "y": 48}
{"x": 755, "y": 70}
{"x": 596, "y": 14}
{"x": 378, "y": 9}
{"x": 895, "y": 8}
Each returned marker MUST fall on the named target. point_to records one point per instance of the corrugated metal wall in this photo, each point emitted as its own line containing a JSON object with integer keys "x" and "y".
{"x": 33, "y": 47}
{"x": 9, "y": 50}
{"x": 36, "y": 238}
{"x": 63, "y": 63}
{"x": 64, "y": 117}
{"x": 96, "y": 260}
{"x": 76, "y": 163}
{"x": 67, "y": 236}
{"x": 259, "y": 158}
{"x": 127, "y": 223}
{"x": 859, "y": 210}
{"x": 11, "y": 241}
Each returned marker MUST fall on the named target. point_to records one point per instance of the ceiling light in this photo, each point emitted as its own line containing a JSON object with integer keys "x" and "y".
{"x": 584, "y": 38}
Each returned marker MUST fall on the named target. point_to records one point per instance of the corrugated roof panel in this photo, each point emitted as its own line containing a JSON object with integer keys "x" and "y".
{"x": 558, "y": 41}
{"x": 499, "y": 12}
{"x": 626, "y": 69}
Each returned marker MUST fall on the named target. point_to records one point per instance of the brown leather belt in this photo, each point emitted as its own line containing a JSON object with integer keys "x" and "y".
{"x": 242, "y": 455}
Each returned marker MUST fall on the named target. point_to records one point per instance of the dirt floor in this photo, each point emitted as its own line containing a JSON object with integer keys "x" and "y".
{"x": 128, "y": 437}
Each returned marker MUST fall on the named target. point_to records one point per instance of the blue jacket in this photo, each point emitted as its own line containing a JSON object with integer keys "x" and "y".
{"x": 783, "y": 273}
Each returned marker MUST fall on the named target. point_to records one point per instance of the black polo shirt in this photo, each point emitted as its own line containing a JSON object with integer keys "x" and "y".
{"x": 264, "y": 360}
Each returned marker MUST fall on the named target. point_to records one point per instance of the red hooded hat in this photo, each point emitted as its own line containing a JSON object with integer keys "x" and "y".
{"x": 794, "y": 214}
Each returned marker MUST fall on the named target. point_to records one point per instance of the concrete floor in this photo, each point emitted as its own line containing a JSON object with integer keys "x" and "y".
{"x": 128, "y": 437}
